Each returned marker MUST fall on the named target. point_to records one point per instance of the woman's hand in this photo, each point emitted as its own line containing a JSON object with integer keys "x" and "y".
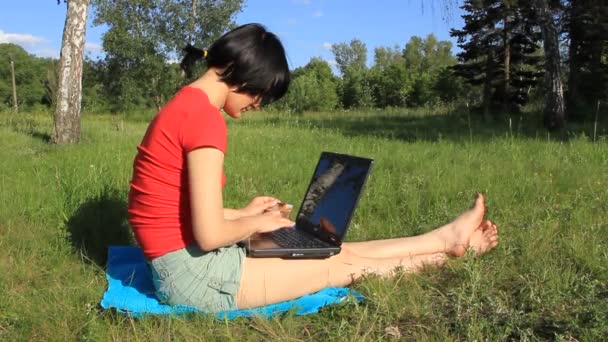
{"x": 259, "y": 205}
{"x": 269, "y": 221}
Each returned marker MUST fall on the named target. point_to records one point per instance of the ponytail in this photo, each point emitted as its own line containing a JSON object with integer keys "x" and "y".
{"x": 192, "y": 55}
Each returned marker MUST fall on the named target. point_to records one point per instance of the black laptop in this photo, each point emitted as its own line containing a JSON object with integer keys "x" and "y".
{"x": 325, "y": 212}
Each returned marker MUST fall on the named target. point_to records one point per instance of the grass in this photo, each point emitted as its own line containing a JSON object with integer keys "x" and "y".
{"x": 61, "y": 206}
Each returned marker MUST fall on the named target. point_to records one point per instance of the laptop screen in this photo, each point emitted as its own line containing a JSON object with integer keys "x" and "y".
{"x": 332, "y": 196}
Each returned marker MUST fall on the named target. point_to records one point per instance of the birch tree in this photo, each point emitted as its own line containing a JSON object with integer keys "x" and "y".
{"x": 69, "y": 92}
{"x": 554, "y": 111}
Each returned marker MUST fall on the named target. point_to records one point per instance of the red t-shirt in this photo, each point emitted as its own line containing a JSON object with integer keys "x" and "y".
{"x": 159, "y": 199}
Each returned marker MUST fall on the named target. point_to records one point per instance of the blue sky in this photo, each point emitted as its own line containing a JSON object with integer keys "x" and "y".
{"x": 306, "y": 27}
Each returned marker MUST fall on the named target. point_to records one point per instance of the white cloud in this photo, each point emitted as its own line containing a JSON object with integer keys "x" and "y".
{"x": 22, "y": 39}
{"x": 292, "y": 22}
{"x": 47, "y": 53}
{"x": 327, "y": 46}
{"x": 92, "y": 47}
{"x": 332, "y": 62}
{"x": 317, "y": 14}
{"x": 302, "y": 2}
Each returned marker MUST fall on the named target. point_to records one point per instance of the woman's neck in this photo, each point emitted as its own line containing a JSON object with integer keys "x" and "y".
{"x": 216, "y": 90}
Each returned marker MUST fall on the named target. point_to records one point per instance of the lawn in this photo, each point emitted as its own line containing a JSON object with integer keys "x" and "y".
{"x": 61, "y": 206}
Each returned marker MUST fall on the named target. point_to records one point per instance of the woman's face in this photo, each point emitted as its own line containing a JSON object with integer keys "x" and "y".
{"x": 238, "y": 103}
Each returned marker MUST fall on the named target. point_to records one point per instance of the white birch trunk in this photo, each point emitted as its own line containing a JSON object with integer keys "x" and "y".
{"x": 554, "y": 112}
{"x": 69, "y": 91}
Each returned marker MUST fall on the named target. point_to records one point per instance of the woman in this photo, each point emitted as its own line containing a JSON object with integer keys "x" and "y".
{"x": 176, "y": 206}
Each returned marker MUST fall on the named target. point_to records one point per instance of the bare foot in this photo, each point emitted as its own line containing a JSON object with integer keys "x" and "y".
{"x": 456, "y": 235}
{"x": 484, "y": 238}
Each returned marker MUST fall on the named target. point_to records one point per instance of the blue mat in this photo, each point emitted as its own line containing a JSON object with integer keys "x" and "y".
{"x": 130, "y": 291}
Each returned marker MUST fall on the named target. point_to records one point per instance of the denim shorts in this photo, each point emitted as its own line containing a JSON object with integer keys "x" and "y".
{"x": 208, "y": 281}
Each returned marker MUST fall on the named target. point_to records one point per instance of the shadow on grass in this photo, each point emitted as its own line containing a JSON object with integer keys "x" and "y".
{"x": 98, "y": 223}
{"x": 44, "y": 137}
{"x": 437, "y": 127}
{"x": 25, "y": 124}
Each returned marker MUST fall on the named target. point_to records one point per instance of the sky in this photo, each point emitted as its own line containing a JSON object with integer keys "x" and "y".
{"x": 307, "y": 28}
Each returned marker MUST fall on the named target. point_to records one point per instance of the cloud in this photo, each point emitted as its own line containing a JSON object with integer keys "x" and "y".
{"x": 327, "y": 46}
{"x": 22, "y": 39}
{"x": 92, "y": 47}
{"x": 292, "y": 22}
{"x": 317, "y": 14}
{"x": 302, "y": 2}
{"x": 47, "y": 53}
{"x": 332, "y": 62}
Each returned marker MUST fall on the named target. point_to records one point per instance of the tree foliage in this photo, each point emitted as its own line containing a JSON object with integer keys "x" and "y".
{"x": 144, "y": 41}
{"x": 30, "y": 77}
{"x": 500, "y": 52}
{"x": 586, "y": 23}
{"x": 314, "y": 88}
{"x": 499, "y": 68}
{"x": 350, "y": 55}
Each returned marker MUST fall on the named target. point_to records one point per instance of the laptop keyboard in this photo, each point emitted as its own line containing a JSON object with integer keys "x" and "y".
{"x": 293, "y": 238}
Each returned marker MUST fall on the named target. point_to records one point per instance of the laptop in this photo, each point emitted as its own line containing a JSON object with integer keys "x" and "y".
{"x": 325, "y": 212}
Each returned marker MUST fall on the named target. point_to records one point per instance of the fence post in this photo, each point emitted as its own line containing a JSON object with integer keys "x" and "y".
{"x": 15, "y": 105}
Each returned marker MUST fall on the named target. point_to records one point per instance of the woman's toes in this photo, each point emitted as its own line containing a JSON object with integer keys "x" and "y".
{"x": 485, "y": 226}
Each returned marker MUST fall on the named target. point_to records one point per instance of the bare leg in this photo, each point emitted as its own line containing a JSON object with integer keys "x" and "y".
{"x": 453, "y": 238}
{"x": 273, "y": 280}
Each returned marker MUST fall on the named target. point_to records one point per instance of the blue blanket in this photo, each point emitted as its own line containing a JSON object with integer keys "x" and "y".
{"x": 130, "y": 291}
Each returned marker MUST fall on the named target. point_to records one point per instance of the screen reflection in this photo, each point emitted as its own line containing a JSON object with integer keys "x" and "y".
{"x": 332, "y": 196}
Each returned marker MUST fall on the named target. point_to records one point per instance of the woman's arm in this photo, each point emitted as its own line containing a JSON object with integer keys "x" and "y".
{"x": 232, "y": 214}
{"x": 210, "y": 226}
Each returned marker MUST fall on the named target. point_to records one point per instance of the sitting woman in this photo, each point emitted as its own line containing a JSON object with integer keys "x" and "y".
{"x": 189, "y": 238}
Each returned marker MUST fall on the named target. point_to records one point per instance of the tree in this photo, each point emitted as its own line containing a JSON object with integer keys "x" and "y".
{"x": 554, "y": 111}
{"x": 314, "y": 88}
{"x": 144, "y": 35}
{"x": 384, "y": 57}
{"x": 391, "y": 83}
{"x": 409, "y": 77}
{"x": 29, "y": 77}
{"x": 500, "y": 54}
{"x": 356, "y": 90}
{"x": 67, "y": 111}
{"x": 351, "y": 55}
{"x": 424, "y": 60}
{"x": 586, "y": 22}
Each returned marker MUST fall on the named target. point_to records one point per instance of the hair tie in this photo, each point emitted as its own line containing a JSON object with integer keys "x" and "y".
{"x": 204, "y": 53}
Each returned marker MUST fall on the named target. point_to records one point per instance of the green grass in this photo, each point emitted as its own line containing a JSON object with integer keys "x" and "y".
{"x": 548, "y": 279}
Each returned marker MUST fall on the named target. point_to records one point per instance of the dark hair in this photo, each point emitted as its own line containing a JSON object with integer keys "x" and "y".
{"x": 251, "y": 58}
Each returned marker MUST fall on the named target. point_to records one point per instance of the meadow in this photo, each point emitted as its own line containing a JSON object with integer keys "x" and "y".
{"x": 61, "y": 206}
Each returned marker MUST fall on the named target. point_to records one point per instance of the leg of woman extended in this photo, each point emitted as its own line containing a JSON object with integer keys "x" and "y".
{"x": 453, "y": 238}
{"x": 272, "y": 280}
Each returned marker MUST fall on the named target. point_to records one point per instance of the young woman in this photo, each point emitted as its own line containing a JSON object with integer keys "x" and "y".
{"x": 176, "y": 206}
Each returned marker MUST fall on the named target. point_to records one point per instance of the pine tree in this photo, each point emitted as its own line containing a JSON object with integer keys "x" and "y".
{"x": 500, "y": 52}
{"x": 586, "y": 23}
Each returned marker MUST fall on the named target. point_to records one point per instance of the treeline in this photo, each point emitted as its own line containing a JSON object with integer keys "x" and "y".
{"x": 415, "y": 75}
{"x": 499, "y": 69}
{"x": 418, "y": 74}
